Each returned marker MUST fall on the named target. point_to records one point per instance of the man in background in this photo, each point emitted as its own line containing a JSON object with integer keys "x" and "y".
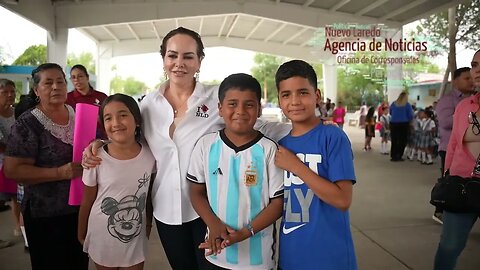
{"x": 462, "y": 87}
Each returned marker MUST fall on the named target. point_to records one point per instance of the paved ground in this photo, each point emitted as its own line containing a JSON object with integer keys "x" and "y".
{"x": 390, "y": 217}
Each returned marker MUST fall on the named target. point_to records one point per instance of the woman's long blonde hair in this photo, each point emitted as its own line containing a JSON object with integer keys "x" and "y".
{"x": 402, "y": 99}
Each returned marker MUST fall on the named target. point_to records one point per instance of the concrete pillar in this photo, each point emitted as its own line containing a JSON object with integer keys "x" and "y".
{"x": 57, "y": 46}
{"x": 104, "y": 68}
{"x": 25, "y": 86}
{"x": 330, "y": 82}
{"x": 394, "y": 72}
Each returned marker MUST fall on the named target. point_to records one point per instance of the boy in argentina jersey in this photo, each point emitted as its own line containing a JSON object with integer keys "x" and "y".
{"x": 318, "y": 179}
{"x": 235, "y": 186}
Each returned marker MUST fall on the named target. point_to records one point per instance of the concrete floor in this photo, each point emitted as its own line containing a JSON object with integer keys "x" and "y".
{"x": 390, "y": 217}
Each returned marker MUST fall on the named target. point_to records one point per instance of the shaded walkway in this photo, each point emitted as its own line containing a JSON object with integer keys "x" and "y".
{"x": 390, "y": 217}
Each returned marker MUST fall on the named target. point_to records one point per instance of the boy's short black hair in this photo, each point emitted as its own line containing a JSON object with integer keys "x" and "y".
{"x": 296, "y": 68}
{"x": 459, "y": 72}
{"x": 242, "y": 82}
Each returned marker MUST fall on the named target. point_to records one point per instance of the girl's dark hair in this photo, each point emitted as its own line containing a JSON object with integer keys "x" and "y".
{"x": 84, "y": 70}
{"x": 296, "y": 68}
{"x": 370, "y": 113}
{"x": 242, "y": 82}
{"x": 132, "y": 107}
{"x": 183, "y": 31}
{"x": 430, "y": 114}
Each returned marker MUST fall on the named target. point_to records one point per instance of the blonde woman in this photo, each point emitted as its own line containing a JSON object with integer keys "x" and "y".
{"x": 401, "y": 114}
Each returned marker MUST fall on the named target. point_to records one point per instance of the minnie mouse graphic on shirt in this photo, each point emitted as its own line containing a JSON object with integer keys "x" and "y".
{"x": 126, "y": 215}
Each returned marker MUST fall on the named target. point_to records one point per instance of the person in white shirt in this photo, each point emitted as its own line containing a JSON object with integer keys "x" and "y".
{"x": 176, "y": 115}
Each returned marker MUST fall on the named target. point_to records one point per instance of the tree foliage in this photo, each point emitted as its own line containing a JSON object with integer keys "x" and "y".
{"x": 467, "y": 22}
{"x": 460, "y": 24}
{"x": 265, "y": 66}
{"x": 32, "y": 56}
{"x": 355, "y": 82}
{"x": 264, "y": 69}
{"x": 37, "y": 54}
{"x": 360, "y": 82}
{"x": 85, "y": 58}
{"x": 129, "y": 86}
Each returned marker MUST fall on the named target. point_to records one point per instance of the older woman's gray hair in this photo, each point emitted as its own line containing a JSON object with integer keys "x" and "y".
{"x": 6, "y": 82}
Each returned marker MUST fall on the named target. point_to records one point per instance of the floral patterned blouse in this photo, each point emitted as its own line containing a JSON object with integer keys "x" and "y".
{"x": 35, "y": 136}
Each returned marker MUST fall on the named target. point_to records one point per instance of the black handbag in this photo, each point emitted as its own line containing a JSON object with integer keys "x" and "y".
{"x": 457, "y": 194}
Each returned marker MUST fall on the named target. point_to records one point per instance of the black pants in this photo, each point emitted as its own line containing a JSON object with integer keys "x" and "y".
{"x": 399, "y": 135}
{"x": 442, "y": 155}
{"x": 180, "y": 243}
{"x": 53, "y": 244}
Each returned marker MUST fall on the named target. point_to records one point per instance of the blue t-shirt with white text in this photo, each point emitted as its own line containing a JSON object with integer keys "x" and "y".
{"x": 314, "y": 234}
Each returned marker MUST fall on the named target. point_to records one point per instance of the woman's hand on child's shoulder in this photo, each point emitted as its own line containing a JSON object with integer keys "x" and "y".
{"x": 89, "y": 156}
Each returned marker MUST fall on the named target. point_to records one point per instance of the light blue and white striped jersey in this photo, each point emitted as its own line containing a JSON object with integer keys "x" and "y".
{"x": 240, "y": 182}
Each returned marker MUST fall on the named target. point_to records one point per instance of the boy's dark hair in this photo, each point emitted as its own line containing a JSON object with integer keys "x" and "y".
{"x": 242, "y": 82}
{"x": 459, "y": 72}
{"x": 296, "y": 68}
{"x": 132, "y": 107}
{"x": 183, "y": 31}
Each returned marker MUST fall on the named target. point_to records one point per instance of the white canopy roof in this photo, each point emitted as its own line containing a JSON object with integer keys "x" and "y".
{"x": 282, "y": 27}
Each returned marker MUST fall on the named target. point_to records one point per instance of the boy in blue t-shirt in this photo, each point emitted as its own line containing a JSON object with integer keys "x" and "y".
{"x": 235, "y": 186}
{"x": 318, "y": 179}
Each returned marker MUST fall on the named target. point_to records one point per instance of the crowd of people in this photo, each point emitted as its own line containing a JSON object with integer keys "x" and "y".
{"x": 448, "y": 129}
{"x": 196, "y": 161}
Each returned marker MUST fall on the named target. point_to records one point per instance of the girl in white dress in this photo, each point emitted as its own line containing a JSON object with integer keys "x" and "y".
{"x": 116, "y": 214}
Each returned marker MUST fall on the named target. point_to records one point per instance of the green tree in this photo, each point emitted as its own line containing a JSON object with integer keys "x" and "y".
{"x": 211, "y": 82}
{"x": 460, "y": 24}
{"x": 360, "y": 82}
{"x": 264, "y": 71}
{"x": 85, "y": 58}
{"x": 129, "y": 86}
{"x": 134, "y": 87}
{"x": 32, "y": 56}
{"x": 410, "y": 71}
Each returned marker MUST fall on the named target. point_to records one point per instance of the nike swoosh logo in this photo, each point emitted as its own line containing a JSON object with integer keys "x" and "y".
{"x": 289, "y": 230}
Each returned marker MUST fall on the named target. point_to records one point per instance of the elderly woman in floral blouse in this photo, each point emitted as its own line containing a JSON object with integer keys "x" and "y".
{"x": 39, "y": 155}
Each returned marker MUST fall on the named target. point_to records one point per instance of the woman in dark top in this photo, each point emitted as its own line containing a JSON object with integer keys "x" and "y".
{"x": 39, "y": 155}
{"x": 401, "y": 115}
{"x": 369, "y": 129}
